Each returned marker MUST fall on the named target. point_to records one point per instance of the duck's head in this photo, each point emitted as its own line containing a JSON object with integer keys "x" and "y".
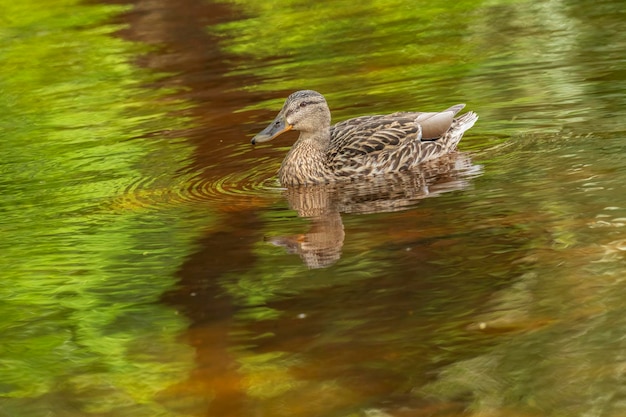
{"x": 305, "y": 111}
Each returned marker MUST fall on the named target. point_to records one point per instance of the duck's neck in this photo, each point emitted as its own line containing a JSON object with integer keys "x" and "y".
{"x": 307, "y": 160}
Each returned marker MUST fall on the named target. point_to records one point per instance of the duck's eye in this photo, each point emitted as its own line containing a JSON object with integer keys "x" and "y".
{"x": 303, "y": 104}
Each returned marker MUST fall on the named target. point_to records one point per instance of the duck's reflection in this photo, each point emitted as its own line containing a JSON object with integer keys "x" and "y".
{"x": 321, "y": 246}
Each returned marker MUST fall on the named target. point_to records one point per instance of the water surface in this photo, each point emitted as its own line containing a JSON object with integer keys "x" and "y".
{"x": 154, "y": 267}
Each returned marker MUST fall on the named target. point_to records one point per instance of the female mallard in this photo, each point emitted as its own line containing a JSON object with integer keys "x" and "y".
{"x": 359, "y": 147}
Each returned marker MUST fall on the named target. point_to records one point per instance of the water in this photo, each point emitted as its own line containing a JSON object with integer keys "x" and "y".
{"x": 153, "y": 266}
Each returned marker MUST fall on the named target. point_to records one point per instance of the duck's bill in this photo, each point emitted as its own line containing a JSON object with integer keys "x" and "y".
{"x": 276, "y": 128}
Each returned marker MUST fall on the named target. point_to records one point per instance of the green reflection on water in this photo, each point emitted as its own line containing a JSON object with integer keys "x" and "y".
{"x": 82, "y": 271}
{"x": 521, "y": 65}
{"x": 378, "y": 48}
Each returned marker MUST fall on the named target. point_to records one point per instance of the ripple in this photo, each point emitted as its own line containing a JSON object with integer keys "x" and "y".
{"x": 230, "y": 187}
{"x": 233, "y": 190}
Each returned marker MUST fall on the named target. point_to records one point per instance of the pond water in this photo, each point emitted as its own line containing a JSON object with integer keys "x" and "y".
{"x": 153, "y": 266}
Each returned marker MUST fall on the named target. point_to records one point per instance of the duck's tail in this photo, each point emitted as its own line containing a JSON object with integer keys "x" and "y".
{"x": 459, "y": 126}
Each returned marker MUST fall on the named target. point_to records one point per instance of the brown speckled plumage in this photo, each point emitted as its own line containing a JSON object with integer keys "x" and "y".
{"x": 363, "y": 146}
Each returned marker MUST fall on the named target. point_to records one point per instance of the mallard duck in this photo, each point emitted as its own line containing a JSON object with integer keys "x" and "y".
{"x": 360, "y": 147}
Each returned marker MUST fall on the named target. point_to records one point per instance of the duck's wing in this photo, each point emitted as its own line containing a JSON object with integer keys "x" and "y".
{"x": 371, "y": 134}
{"x": 393, "y": 141}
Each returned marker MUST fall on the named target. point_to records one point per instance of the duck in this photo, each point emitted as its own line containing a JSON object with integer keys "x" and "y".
{"x": 361, "y": 147}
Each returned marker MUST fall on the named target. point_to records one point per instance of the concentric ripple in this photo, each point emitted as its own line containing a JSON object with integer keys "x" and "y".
{"x": 233, "y": 190}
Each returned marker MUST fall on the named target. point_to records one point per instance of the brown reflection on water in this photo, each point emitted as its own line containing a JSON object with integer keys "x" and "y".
{"x": 215, "y": 382}
{"x": 198, "y": 71}
{"x": 197, "y": 66}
